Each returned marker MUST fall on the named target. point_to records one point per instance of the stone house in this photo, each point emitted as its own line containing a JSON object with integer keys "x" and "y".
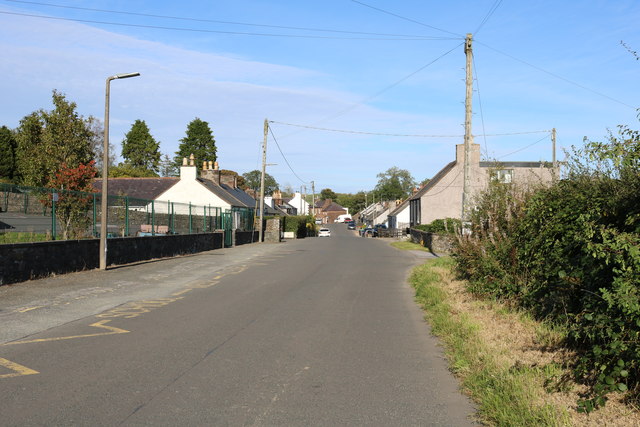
{"x": 441, "y": 197}
{"x": 328, "y": 211}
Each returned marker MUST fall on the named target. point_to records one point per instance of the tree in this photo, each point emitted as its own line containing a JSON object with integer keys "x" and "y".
{"x": 354, "y": 202}
{"x": 168, "y": 167}
{"x": 7, "y": 153}
{"x": 394, "y": 184}
{"x": 97, "y": 145}
{"x": 47, "y": 139}
{"x": 198, "y": 141}
{"x": 140, "y": 149}
{"x": 73, "y": 199}
{"x": 252, "y": 180}
{"x": 328, "y": 193}
{"x": 126, "y": 170}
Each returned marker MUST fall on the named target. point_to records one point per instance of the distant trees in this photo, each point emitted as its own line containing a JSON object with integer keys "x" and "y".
{"x": 198, "y": 141}
{"x": 140, "y": 150}
{"x": 47, "y": 139}
{"x": 252, "y": 180}
{"x": 7, "y": 153}
{"x": 327, "y": 193}
{"x": 394, "y": 184}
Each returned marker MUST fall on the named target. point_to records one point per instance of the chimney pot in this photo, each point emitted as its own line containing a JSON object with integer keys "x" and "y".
{"x": 192, "y": 160}
{"x": 184, "y": 161}
{"x": 215, "y": 166}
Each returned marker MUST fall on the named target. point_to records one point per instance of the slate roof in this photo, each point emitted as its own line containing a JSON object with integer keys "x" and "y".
{"x": 139, "y": 188}
{"x": 334, "y": 207}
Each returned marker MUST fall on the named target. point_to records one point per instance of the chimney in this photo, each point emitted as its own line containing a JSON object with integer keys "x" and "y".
{"x": 188, "y": 172}
{"x": 229, "y": 180}
{"x": 474, "y": 154}
{"x": 208, "y": 173}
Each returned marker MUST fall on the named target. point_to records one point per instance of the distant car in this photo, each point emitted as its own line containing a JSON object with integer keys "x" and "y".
{"x": 351, "y": 226}
{"x": 324, "y": 232}
{"x": 318, "y": 221}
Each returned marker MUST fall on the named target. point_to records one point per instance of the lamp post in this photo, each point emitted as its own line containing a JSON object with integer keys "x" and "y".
{"x": 105, "y": 171}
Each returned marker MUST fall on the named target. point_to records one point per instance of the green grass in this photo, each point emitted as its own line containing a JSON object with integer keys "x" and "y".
{"x": 409, "y": 246}
{"x": 17, "y": 237}
{"x": 505, "y": 396}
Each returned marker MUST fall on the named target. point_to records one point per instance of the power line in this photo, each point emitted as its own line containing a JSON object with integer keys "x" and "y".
{"x": 405, "y": 18}
{"x": 494, "y": 7}
{"x": 285, "y": 158}
{"x": 182, "y": 18}
{"x": 399, "y": 134}
{"x": 197, "y": 30}
{"x": 558, "y": 77}
{"x": 523, "y": 148}
{"x": 486, "y": 148}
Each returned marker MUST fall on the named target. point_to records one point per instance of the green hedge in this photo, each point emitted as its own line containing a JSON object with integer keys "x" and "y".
{"x": 299, "y": 224}
{"x": 441, "y": 226}
{"x": 570, "y": 254}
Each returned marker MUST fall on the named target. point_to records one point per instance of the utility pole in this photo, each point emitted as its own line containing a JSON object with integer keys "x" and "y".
{"x": 553, "y": 148}
{"x": 466, "y": 188}
{"x": 313, "y": 197}
{"x": 264, "y": 166}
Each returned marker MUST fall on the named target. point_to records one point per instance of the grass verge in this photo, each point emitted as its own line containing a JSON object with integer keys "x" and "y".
{"x": 507, "y": 392}
{"x": 409, "y": 246}
{"x": 18, "y": 237}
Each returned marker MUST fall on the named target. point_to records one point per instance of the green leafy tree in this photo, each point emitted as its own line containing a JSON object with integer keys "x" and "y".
{"x": 140, "y": 149}
{"x": 328, "y": 193}
{"x": 126, "y": 170}
{"x": 7, "y": 153}
{"x": 252, "y": 180}
{"x": 354, "y": 202}
{"x": 97, "y": 145}
{"x": 198, "y": 141}
{"x": 168, "y": 167}
{"x": 394, "y": 184}
{"x": 47, "y": 139}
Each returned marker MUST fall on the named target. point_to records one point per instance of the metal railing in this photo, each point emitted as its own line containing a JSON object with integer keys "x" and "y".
{"x": 62, "y": 214}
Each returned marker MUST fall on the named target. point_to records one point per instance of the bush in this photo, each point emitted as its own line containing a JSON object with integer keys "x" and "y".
{"x": 441, "y": 226}
{"x": 570, "y": 254}
{"x": 299, "y": 224}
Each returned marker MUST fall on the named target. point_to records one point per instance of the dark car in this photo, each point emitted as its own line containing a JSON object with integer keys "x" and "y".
{"x": 351, "y": 225}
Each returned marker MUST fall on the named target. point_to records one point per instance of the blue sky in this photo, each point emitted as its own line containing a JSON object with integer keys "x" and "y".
{"x": 376, "y": 67}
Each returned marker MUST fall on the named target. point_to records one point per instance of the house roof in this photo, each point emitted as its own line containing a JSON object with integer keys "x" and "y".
{"x": 333, "y": 207}
{"x": 433, "y": 181}
{"x": 139, "y": 188}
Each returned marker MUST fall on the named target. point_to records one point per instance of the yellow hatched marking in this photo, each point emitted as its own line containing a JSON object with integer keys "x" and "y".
{"x": 101, "y": 324}
{"x": 135, "y": 309}
{"x": 184, "y": 291}
{"x": 25, "y": 309}
{"x": 18, "y": 370}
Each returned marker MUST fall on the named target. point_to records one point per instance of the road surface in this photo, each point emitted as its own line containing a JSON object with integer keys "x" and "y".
{"x": 316, "y": 331}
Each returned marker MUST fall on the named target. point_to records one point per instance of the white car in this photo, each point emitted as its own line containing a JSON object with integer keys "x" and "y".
{"x": 324, "y": 232}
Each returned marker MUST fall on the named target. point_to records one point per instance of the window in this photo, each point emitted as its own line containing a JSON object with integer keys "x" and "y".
{"x": 503, "y": 176}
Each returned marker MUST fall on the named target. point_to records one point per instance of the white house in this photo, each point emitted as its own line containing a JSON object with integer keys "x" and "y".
{"x": 300, "y": 204}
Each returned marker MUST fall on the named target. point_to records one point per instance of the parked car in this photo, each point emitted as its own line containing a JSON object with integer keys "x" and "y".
{"x": 351, "y": 225}
{"x": 324, "y": 232}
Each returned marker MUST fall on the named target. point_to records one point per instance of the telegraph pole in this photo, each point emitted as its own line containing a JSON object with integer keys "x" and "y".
{"x": 553, "y": 148}
{"x": 466, "y": 188}
{"x": 264, "y": 166}
{"x": 313, "y": 197}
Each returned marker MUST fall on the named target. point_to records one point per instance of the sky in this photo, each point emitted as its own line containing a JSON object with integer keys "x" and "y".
{"x": 351, "y": 87}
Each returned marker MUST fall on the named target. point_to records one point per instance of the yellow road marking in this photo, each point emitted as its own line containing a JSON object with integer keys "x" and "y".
{"x": 25, "y": 309}
{"x": 184, "y": 291}
{"x": 19, "y": 370}
{"x": 101, "y": 324}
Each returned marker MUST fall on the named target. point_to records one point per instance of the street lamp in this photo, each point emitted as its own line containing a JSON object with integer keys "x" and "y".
{"x": 105, "y": 171}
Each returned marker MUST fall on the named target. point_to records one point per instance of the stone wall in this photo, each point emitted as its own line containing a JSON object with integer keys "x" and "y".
{"x": 244, "y": 237}
{"x": 25, "y": 261}
{"x": 272, "y": 231}
{"x": 436, "y": 243}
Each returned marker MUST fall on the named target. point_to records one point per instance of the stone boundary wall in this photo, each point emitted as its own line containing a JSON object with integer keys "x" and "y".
{"x": 436, "y": 243}
{"x": 244, "y": 237}
{"x": 26, "y": 261}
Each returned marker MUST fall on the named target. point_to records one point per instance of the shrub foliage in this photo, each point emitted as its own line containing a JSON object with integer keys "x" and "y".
{"x": 570, "y": 254}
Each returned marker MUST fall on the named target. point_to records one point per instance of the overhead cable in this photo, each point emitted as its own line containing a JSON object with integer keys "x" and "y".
{"x": 285, "y": 158}
{"x": 405, "y": 18}
{"x": 557, "y": 76}
{"x": 214, "y": 21}
{"x": 495, "y": 6}
{"x": 198, "y": 30}
{"x": 400, "y": 134}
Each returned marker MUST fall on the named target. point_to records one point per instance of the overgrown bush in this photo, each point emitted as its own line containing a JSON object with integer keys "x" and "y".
{"x": 298, "y": 224}
{"x": 571, "y": 255}
{"x": 441, "y": 226}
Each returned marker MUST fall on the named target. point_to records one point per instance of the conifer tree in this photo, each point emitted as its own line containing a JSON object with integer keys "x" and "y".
{"x": 140, "y": 150}
{"x": 198, "y": 141}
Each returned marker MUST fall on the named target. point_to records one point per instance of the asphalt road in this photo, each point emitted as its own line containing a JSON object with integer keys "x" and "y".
{"x": 317, "y": 331}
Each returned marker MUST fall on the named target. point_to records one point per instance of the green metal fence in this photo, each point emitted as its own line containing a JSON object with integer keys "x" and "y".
{"x": 61, "y": 214}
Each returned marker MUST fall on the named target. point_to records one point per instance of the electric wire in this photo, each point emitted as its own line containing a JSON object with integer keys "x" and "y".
{"x": 285, "y": 158}
{"x": 486, "y": 148}
{"x": 400, "y": 134}
{"x": 406, "y": 19}
{"x": 523, "y": 148}
{"x": 557, "y": 76}
{"x": 181, "y": 18}
{"x": 199, "y": 30}
{"x": 493, "y": 8}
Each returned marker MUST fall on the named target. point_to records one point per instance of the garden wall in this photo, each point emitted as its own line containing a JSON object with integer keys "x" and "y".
{"x": 25, "y": 261}
{"x": 436, "y": 243}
